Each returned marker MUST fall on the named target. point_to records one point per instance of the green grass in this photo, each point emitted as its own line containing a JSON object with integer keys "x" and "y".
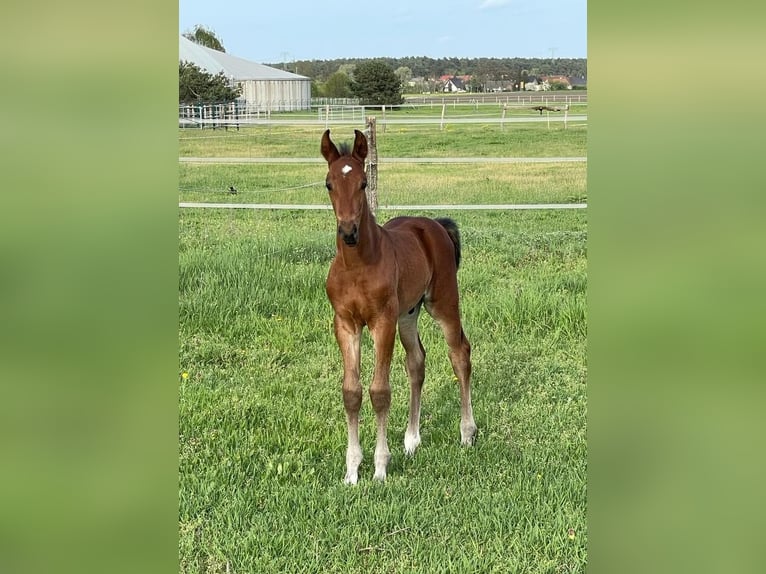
{"x": 396, "y": 140}
{"x": 398, "y": 184}
{"x": 262, "y": 429}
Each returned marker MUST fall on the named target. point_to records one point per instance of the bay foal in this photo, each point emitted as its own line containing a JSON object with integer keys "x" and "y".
{"x": 380, "y": 277}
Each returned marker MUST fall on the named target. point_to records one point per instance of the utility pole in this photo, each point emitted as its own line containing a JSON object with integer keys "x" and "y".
{"x": 285, "y": 56}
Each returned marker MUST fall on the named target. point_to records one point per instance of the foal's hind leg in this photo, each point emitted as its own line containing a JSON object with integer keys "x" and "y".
{"x": 416, "y": 370}
{"x": 448, "y": 317}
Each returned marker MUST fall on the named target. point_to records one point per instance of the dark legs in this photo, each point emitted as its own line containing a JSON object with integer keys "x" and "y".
{"x": 416, "y": 369}
{"x": 349, "y": 339}
{"x": 383, "y": 334}
{"x": 460, "y": 356}
{"x": 348, "y": 336}
{"x": 448, "y": 317}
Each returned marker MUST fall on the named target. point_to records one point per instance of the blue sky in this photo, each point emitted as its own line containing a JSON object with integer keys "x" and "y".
{"x": 270, "y": 31}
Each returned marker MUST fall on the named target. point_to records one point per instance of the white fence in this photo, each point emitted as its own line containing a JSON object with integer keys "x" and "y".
{"x": 485, "y": 108}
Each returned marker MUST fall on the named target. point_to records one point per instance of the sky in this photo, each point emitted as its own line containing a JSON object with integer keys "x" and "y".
{"x": 269, "y": 31}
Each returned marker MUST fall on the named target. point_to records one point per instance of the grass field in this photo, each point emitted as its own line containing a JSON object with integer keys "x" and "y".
{"x": 410, "y": 140}
{"x": 398, "y": 183}
{"x": 262, "y": 429}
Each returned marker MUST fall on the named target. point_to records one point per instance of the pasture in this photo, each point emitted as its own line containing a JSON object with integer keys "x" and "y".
{"x": 262, "y": 429}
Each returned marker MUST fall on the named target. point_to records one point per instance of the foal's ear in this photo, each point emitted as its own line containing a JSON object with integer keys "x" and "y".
{"x": 329, "y": 151}
{"x": 360, "y": 146}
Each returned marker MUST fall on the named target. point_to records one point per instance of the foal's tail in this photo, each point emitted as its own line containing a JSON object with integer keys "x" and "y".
{"x": 454, "y": 235}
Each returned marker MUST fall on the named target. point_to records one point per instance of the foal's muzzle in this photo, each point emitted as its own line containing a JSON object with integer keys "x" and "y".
{"x": 349, "y": 233}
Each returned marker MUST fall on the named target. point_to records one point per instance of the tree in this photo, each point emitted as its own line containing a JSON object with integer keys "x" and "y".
{"x": 404, "y": 74}
{"x": 375, "y": 83}
{"x": 347, "y": 69}
{"x": 317, "y": 90}
{"x": 205, "y": 37}
{"x": 475, "y": 85}
{"x": 196, "y": 85}
{"x": 337, "y": 86}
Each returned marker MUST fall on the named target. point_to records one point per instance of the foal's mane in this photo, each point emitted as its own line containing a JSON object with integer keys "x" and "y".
{"x": 344, "y": 148}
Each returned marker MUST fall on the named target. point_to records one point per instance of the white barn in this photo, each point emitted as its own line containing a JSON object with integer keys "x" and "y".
{"x": 263, "y": 88}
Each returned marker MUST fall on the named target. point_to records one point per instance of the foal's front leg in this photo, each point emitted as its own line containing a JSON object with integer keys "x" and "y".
{"x": 383, "y": 333}
{"x": 349, "y": 337}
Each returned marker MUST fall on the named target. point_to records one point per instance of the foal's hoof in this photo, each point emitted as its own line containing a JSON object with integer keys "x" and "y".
{"x": 351, "y": 479}
{"x": 379, "y": 476}
{"x": 468, "y": 434}
{"x": 411, "y": 443}
{"x": 382, "y": 458}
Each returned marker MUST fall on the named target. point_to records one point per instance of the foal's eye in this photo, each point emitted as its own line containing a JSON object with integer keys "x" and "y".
{"x": 328, "y": 185}
{"x": 364, "y": 184}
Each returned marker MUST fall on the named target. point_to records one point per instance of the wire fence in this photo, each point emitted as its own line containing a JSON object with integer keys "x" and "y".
{"x": 407, "y": 208}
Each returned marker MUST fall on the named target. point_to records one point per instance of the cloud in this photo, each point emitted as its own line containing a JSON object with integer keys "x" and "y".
{"x": 493, "y": 4}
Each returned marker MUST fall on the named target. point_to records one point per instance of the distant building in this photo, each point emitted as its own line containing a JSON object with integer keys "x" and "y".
{"x": 263, "y": 88}
{"x": 577, "y": 83}
{"x": 534, "y": 84}
{"x": 454, "y": 83}
{"x": 543, "y": 83}
{"x": 563, "y": 80}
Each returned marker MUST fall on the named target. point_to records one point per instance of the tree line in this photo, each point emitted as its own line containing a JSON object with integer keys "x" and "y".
{"x": 379, "y": 80}
{"x": 337, "y": 78}
{"x": 492, "y": 69}
{"x": 495, "y": 69}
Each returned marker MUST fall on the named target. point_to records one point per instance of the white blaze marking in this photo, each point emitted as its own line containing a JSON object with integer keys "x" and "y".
{"x": 346, "y": 169}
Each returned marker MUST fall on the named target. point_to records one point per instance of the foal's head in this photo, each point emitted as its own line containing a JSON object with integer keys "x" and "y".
{"x": 346, "y": 182}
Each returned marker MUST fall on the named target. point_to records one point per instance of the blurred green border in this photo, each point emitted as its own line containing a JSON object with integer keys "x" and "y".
{"x": 88, "y": 294}
{"x": 88, "y": 290}
{"x": 676, "y": 282}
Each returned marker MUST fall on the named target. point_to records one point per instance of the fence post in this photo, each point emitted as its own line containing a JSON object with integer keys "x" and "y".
{"x": 372, "y": 164}
{"x": 502, "y": 119}
{"x": 444, "y": 108}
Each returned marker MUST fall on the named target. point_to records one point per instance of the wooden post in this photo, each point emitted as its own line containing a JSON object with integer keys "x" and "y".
{"x": 502, "y": 119}
{"x": 444, "y": 109}
{"x": 372, "y": 165}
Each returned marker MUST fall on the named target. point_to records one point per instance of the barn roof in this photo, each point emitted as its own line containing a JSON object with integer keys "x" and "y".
{"x": 214, "y": 62}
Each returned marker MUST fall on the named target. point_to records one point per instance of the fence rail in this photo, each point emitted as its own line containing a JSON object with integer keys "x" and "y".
{"x": 500, "y": 98}
{"x": 343, "y": 110}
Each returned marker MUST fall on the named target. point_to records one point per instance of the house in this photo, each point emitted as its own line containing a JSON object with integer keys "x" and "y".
{"x": 550, "y": 80}
{"x": 545, "y": 82}
{"x": 454, "y": 84}
{"x": 577, "y": 83}
{"x": 535, "y": 84}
